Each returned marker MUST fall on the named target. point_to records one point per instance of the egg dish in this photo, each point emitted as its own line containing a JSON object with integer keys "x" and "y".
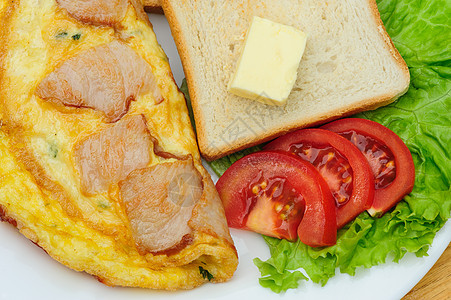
{"x": 98, "y": 160}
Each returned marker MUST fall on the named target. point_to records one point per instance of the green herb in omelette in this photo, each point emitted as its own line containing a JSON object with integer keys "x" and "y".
{"x": 53, "y": 150}
{"x": 76, "y": 37}
{"x": 61, "y": 35}
{"x": 205, "y": 274}
{"x": 104, "y": 205}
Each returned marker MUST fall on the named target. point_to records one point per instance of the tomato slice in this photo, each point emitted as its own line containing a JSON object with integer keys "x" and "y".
{"x": 389, "y": 158}
{"x": 341, "y": 164}
{"x": 277, "y": 194}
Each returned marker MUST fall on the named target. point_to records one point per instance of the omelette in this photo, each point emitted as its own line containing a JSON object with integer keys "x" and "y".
{"x": 99, "y": 164}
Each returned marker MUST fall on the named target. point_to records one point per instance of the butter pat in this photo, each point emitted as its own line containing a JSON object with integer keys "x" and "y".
{"x": 267, "y": 68}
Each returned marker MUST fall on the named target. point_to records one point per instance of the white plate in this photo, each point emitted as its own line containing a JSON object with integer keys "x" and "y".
{"x": 27, "y": 272}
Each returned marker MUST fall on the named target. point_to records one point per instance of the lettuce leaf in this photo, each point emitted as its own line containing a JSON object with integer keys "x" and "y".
{"x": 421, "y": 32}
{"x": 219, "y": 166}
{"x": 184, "y": 90}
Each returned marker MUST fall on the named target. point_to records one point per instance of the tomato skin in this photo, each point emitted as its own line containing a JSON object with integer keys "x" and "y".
{"x": 318, "y": 224}
{"x": 384, "y": 198}
{"x": 363, "y": 182}
{"x": 318, "y": 227}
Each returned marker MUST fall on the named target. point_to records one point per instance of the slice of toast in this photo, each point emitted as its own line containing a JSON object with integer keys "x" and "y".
{"x": 349, "y": 65}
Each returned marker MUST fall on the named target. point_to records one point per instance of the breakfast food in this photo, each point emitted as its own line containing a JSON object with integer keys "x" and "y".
{"x": 416, "y": 225}
{"x": 389, "y": 158}
{"x": 349, "y": 65}
{"x": 342, "y": 165}
{"x": 279, "y": 195}
{"x": 357, "y": 165}
{"x": 267, "y": 67}
{"x": 70, "y": 83}
{"x": 99, "y": 163}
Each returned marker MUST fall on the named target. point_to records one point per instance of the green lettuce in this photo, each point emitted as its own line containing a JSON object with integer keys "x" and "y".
{"x": 219, "y": 166}
{"x": 421, "y": 32}
{"x": 184, "y": 90}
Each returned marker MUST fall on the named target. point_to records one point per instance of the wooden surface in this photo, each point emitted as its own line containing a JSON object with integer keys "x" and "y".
{"x": 436, "y": 284}
{"x": 152, "y": 6}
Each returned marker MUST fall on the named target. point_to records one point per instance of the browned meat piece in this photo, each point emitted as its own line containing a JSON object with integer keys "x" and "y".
{"x": 98, "y": 12}
{"x": 110, "y": 155}
{"x": 159, "y": 201}
{"x": 105, "y": 78}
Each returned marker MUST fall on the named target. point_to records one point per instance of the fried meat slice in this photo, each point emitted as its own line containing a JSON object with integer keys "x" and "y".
{"x": 159, "y": 202}
{"x": 105, "y": 78}
{"x": 97, "y": 12}
{"x": 109, "y": 156}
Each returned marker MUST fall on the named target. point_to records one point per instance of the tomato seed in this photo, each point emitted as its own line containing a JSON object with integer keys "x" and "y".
{"x": 255, "y": 189}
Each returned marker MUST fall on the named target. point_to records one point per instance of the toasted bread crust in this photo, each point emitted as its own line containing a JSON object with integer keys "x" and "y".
{"x": 187, "y": 63}
{"x": 212, "y": 154}
{"x": 311, "y": 122}
{"x": 389, "y": 45}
